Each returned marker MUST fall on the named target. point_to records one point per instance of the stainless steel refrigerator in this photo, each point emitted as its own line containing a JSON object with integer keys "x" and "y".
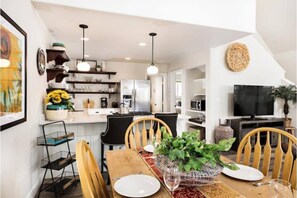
{"x": 135, "y": 94}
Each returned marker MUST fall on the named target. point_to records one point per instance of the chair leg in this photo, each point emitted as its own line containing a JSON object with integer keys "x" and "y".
{"x": 102, "y": 157}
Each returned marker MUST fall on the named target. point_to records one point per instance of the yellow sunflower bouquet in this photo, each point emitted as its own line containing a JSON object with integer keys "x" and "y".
{"x": 58, "y": 99}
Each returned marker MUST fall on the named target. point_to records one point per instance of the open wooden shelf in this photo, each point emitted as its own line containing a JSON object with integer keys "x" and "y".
{"x": 91, "y": 82}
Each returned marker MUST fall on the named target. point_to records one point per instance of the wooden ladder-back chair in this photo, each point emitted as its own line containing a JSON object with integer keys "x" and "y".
{"x": 137, "y": 133}
{"x": 91, "y": 180}
{"x": 288, "y": 164}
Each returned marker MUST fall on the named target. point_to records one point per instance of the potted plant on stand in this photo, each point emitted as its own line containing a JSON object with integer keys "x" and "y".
{"x": 58, "y": 102}
{"x": 287, "y": 93}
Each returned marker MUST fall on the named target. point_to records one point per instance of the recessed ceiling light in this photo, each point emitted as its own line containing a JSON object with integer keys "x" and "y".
{"x": 128, "y": 58}
{"x": 142, "y": 44}
{"x": 84, "y": 39}
{"x": 86, "y": 55}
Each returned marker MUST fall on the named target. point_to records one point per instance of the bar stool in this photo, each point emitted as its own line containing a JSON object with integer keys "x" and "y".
{"x": 170, "y": 119}
{"x": 114, "y": 133}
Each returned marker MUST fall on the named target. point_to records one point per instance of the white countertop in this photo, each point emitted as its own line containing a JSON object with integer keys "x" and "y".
{"x": 83, "y": 117}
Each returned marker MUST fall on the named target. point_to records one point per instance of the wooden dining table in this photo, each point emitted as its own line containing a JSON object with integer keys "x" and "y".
{"x": 129, "y": 161}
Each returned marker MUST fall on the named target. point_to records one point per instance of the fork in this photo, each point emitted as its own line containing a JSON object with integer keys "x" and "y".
{"x": 261, "y": 183}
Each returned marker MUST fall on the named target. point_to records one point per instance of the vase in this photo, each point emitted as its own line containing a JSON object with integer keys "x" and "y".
{"x": 223, "y": 132}
{"x": 56, "y": 112}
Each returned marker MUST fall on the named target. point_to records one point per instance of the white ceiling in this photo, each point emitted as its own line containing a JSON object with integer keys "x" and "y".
{"x": 114, "y": 36}
{"x": 276, "y": 23}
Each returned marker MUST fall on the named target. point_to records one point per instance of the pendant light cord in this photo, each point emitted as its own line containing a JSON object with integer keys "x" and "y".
{"x": 152, "y": 50}
{"x": 83, "y": 59}
{"x": 152, "y": 34}
{"x": 83, "y": 26}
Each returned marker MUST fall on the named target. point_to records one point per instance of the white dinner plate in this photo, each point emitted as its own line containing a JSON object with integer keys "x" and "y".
{"x": 149, "y": 148}
{"x": 244, "y": 173}
{"x": 137, "y": 185}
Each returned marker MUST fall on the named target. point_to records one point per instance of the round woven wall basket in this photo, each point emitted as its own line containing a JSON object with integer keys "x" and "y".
{"x": 237, "y": 57}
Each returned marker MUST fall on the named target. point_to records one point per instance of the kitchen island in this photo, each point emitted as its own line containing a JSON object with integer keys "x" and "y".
{"x": 88, "y": 125}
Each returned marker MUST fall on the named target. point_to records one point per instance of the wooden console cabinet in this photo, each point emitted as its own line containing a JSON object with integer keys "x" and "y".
{"x": 242, "y": 126}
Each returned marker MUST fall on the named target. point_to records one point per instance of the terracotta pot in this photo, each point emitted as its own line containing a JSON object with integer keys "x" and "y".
{"x": 287, "y": 122}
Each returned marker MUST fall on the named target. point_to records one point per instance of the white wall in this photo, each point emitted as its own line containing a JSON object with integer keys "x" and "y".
{"x": 237, "y": 15}
{"x": 288, "y": 61}
{"x": 20, "y": 157}
{"x": 262, "y": 70}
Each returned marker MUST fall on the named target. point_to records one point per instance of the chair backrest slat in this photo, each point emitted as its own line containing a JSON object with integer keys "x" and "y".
{"x": 267, "y": 155}
{"x": 158, "y": 133}
{"x": 294, "y": 175}
{"x": 131, "y": 139}
{"x": 278, "y": 158}
{"x": 282, "y": 162}
{"x": 135, "y": 139}
{"x": 137, "y": 136}
{"x": 288, "y": 163}
{"x": 257, "y": 152}
{"x": 144, "y": 134}
{"x": 91, "y": 180}
{"x": 247, "y": 152}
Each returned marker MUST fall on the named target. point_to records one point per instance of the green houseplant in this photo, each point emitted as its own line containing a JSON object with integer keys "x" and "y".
{"x": 198, "y": 162}
{"x": 287, "y": 93}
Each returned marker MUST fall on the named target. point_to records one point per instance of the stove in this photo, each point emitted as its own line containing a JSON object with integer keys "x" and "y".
{"x": 136, "y": 113}
{"x": 140, "y": 113}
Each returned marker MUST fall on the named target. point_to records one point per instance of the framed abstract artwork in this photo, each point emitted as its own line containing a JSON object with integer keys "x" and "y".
{"x": 13, "y": 74}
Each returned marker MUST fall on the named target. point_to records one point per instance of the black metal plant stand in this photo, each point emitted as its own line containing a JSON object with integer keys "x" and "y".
{"x": 58, "y": 161}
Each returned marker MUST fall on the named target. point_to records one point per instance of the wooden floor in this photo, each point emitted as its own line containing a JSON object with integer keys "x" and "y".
{"x": 74, "y": 191}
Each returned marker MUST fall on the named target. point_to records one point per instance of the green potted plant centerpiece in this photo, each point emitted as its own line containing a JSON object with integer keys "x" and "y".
{"x": 58, "y": 102}
{"x": 287, "y": 93}
{"x": 198, "y": 161}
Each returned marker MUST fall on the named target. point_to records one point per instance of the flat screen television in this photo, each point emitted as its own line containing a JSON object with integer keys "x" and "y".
{"x": 251, "y": 100}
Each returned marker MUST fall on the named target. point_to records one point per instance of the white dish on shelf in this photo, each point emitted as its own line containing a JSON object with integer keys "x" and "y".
{"x": 149, "y": 148}
{"x": 246, "y": 173}
{"x": 137, "y": 185}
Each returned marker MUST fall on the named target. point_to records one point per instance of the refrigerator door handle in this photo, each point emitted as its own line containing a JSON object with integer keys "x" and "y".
{"x": 134, "y": 98}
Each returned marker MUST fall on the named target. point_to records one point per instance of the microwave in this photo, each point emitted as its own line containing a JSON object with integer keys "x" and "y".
{"x": 198, "y": 105}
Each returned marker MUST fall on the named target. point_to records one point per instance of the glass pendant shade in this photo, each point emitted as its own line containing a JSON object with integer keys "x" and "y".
{"x": 152, "y": 69}
{"x": 83, "y": 65}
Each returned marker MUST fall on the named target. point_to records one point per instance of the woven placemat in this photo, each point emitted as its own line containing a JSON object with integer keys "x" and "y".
{"x": 219, "y": 190}
{"x": 237, "y": 57}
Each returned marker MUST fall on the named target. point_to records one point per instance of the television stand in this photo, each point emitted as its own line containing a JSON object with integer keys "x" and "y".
{"x": 242, "y": 126}
{"x": 251, "y": 119}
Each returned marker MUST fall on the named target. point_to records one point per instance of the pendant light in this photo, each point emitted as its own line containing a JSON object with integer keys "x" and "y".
{"x": 83, "y": 65}
{"x": 152, "y": 69}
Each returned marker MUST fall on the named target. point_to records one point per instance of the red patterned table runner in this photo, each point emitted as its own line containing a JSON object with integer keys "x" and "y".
{"x": 215, "y": 190}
